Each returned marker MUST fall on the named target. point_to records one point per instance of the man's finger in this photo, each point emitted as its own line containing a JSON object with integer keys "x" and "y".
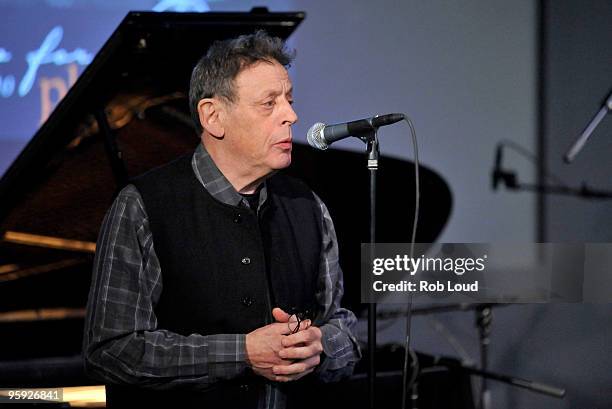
{"x": 297, "y": 326}
{"x": 305, "y": 324}
{"x": 288, "y": 378}
{"x": 314, "y": 348}
{"x": 297, "y": 367}
{"x": 280, "y": 315}
{"x": 270, "y": 365}
{"x": 281, "y": 328}
{"x": 301, "y": 337}
{"x": 296, "y": 339}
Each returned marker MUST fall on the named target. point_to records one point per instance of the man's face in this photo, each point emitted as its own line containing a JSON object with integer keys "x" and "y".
{"x": 258, "y": 123}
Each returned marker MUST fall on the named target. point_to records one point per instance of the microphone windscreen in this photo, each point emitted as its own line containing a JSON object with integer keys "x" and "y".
{"x": 315, "y": 136}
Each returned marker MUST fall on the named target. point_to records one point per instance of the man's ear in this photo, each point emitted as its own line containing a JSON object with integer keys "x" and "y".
{"x": 210, "y": 113}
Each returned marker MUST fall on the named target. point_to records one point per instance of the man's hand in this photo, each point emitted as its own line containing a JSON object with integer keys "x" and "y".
{"x": 277, "y": 354}
{"x": 304, "y": 348}
{"x": 263, "y": 345}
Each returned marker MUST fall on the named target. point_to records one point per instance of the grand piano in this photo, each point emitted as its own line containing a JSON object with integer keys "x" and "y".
{"x": 128, "y": 112}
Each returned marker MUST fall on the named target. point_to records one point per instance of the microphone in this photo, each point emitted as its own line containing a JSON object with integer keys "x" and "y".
{"x": 320, "y": 136}
{"x": 496, "y": 175}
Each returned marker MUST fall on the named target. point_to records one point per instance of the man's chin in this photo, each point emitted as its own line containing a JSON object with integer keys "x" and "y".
{"x": 282, "y": 162}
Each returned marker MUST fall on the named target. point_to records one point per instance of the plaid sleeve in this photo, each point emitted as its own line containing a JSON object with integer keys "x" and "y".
{"x": 340, "y": 348}
{"x": 122, "y": 342}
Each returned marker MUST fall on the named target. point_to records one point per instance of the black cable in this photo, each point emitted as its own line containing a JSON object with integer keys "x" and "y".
{"x": 407, "y": 384}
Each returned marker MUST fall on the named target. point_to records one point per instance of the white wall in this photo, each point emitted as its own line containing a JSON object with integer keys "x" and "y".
{"x": 463, "y": 70}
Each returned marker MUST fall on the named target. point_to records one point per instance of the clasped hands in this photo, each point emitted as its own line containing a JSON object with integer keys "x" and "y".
{"x": 278, "y": 354}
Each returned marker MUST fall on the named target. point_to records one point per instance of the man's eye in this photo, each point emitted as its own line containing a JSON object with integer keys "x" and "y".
{"x": 269, "y": 103}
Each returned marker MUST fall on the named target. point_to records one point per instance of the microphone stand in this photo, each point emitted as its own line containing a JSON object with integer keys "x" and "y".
{"x": 509, "y": 179}
{"x": 502, "y": 176}
{"x": 537, "y": 387}
{"x": 366, "y": 130}
{"x": 586, "y": 134}
{"x": 483, "y": 322}
{"x": 371, "y": 141}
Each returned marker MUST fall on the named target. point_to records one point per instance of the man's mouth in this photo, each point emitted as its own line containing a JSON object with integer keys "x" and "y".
{"x": 284, "y": 144}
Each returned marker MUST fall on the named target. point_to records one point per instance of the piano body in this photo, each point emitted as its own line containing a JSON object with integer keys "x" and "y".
{"x": 127, "y": 113}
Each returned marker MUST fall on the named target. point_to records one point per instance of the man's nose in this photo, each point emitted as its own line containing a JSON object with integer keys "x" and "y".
{"x": 290, "y": 117}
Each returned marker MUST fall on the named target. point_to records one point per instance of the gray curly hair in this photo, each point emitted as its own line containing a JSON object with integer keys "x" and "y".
{"x": 214, "y": 74}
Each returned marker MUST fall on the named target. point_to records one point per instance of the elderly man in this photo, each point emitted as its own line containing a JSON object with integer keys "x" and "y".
{"x": 216, "y": 281}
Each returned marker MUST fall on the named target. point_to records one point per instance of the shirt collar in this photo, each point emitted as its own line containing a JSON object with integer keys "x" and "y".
{"x": 216, "y": 183}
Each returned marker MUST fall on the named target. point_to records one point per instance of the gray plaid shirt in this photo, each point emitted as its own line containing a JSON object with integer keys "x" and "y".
{"x": 122, "y": 342}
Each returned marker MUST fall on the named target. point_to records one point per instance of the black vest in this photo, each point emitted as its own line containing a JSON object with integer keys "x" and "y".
{"x": 224, "y": 268}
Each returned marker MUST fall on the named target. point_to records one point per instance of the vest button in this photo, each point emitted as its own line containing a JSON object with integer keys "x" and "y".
{"x": 238, "y": 218}
{"x": 247, "y": 301}
{"x": 244, "y": 387}
{"x": 246, "y": 261}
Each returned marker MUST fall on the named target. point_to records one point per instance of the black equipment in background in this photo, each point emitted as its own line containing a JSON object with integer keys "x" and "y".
{"x": 509, "y": 179}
